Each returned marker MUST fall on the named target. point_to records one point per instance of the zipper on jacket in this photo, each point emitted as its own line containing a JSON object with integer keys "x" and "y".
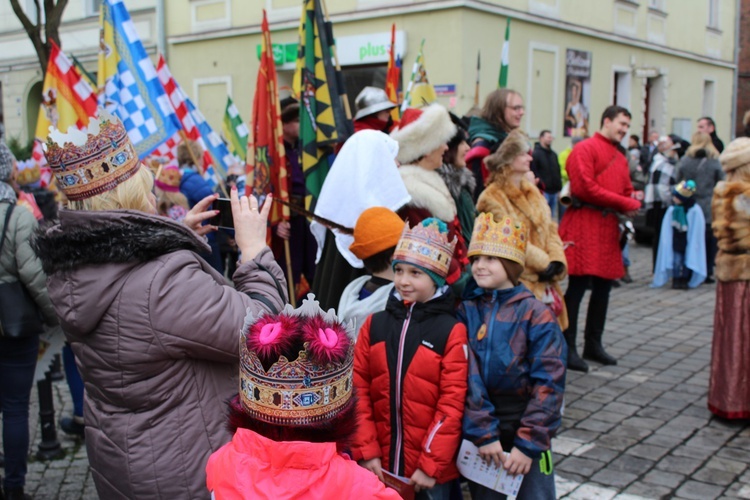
{"x": 432, "y": 435}
{"x": 399, "y": 367}
{"x": 486, "y": 367}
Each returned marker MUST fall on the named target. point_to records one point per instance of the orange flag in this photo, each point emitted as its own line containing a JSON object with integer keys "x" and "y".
{"x": 393, "y": 76}
{"x": 266, "y": 158}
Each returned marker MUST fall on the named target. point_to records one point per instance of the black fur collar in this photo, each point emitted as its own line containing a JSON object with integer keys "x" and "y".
{"x": 83, "y": 238}
{"x": 457, "y": 179}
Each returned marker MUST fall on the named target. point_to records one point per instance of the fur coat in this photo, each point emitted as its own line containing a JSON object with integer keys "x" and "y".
{"x": 430, "y": 197}
{"x": 731, "y": 225}
{"x": 527, "y": 204}
{"x": 154, "y": 330}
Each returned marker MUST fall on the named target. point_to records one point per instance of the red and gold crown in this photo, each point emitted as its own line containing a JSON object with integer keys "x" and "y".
{"x": 426, "y": 245}
{"x": 296, "y": 368}
{"x": 506, "y": 239}
{"x": 94, "y": 160}
{"x": 169, "y": 178}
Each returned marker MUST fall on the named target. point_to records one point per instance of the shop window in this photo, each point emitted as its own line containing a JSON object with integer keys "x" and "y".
{"x": 358, "y": 77}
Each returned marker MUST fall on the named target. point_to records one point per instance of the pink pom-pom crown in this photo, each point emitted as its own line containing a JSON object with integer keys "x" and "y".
{"x": 326, "y": 342}
{"x": 271, "y": 337}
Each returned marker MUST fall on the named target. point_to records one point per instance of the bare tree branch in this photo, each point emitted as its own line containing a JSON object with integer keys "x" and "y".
{"x": 33, "y": 31}
{"x": 53, "y": 13}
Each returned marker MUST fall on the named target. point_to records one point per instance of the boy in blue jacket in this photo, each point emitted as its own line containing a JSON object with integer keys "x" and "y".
{"x": 516, "y": 362}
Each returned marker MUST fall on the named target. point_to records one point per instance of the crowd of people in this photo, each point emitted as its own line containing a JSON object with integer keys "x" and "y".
{"x": 436, "y": 241}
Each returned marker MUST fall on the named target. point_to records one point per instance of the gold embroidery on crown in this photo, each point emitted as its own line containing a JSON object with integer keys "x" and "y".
{"x": 426, "y": 247}
{"x": 506, "y": 239}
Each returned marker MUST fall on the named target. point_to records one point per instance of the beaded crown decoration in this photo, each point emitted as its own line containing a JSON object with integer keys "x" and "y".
{"x": 506, "y": 239}
{"x": 427, "y": 247}
{"x": 311, "y": 389}
{"x": 94, "y": 160}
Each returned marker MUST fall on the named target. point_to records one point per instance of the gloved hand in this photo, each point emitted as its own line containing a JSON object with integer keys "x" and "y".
{"x": 552, "y": 270}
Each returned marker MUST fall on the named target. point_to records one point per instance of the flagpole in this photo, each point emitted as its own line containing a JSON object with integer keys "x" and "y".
{"x": 336, "y": 61}
{"x": 407, "y": 95}
{"x": 184, "y": 137}
{"x": 476, "y": 88}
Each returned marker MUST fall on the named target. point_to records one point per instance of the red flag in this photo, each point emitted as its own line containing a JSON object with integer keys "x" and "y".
{"x": 393, "y": 76}
{"x": 266, "y": 158}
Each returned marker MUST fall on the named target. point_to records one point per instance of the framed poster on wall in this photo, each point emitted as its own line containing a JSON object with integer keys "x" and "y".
{"x": 577, "y": 93}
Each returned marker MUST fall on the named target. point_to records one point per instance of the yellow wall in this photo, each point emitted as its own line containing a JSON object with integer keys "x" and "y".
{"x": 451, "y": 58}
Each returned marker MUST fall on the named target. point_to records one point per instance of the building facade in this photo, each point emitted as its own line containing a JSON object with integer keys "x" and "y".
{"x": 668, "y": 61}
{"x": 20, "y": 74}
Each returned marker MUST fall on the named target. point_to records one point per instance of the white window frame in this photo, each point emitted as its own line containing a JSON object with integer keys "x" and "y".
{"x": 224, "y": 22}
{"x": 211, "y": 80}
{"x": 712, "y": 105}
{"x": 289, "y": 13}
{"x": 657, "y": 5}
{"x": 545, "y": 9}
{"x": 655, "y": 16}
{"x": 626, "y": 30}
{"x": 714, "y": 14}
{"x": 91, "y": 9}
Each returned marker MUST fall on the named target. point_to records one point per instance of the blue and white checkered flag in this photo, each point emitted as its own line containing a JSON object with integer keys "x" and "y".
{"x": 213, "y": 143}
{"x": 131, "y": 87}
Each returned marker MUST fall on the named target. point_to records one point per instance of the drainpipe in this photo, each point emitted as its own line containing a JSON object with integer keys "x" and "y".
{"x": 735, "y": 84}
{"x": 161, "y": 26}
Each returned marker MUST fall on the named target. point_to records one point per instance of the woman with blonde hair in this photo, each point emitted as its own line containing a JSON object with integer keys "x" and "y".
{"x": 152, "y": 325}
{"x": 729, "y": 385}
{"x": 701, "y": 164}
{"x": 509, "y": 193}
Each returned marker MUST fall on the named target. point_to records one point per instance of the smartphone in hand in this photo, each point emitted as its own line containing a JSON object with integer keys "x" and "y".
{"x": 224, "y": 219}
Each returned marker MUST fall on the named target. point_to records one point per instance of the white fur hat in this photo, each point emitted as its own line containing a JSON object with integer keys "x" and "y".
{"x": 422, "y": 131}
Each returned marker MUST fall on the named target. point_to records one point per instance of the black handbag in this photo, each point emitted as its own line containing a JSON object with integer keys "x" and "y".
{"x": 19, "y": 314}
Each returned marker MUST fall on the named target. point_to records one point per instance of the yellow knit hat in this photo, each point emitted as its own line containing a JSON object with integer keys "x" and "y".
{"x": 377, "y": 229}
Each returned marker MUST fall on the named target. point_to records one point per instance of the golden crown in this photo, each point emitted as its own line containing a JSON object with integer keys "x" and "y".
{"x": 426, "y": 246}
{"x": 28, "y": 175}
{"x": 91, "y": 161}
{"x": 314, "y": 387}
{"x": 506, "y": 239}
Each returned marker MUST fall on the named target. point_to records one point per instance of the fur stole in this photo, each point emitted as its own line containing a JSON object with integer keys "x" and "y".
{"x": 428, "y": 191}
{"x": 86, "y": 238}
{"x": 525, "y": 200}
{"x": 731, "y": 225}
{"x": 457, "y": 178}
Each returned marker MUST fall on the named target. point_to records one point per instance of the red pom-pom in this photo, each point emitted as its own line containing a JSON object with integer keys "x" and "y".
{"x": 272, "y": 336}
{"x": 326, "y": 342}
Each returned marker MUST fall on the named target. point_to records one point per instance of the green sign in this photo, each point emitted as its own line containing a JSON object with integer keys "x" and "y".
{"x": 282, "y": 52}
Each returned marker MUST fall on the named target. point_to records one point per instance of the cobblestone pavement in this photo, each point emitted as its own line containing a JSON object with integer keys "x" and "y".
{"x": 636, "y": 430}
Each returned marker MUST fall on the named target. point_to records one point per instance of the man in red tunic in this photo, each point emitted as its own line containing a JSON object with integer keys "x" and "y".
{"x": 600, "y": 187}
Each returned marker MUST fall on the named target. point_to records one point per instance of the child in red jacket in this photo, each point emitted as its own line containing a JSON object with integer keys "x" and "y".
{"x": 410, "y": 370}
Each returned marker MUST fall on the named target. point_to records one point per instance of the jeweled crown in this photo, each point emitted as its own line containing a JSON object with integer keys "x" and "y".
{"x": 506, "y": 239}
{"x": 427, "y": 247}
{"x": 314, "y": 387}
{"x": 94, "y": 160}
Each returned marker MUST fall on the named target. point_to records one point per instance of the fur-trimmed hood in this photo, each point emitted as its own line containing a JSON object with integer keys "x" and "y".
{"x": 91, "y": 254}
{"x": 90, "y": 238}
{"x": 429, "y": 191}
{"x": 457, "y": 178}
{"x": 422, "y": 131}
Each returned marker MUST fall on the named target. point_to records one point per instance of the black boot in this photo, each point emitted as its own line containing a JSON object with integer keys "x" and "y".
{"x": 574, "y": 361}
{"x": 594, "y": 350}
{"x": 16, "y": 494}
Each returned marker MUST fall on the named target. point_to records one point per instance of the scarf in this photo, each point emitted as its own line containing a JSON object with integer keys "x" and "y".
{"x": 679, "y": 219}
